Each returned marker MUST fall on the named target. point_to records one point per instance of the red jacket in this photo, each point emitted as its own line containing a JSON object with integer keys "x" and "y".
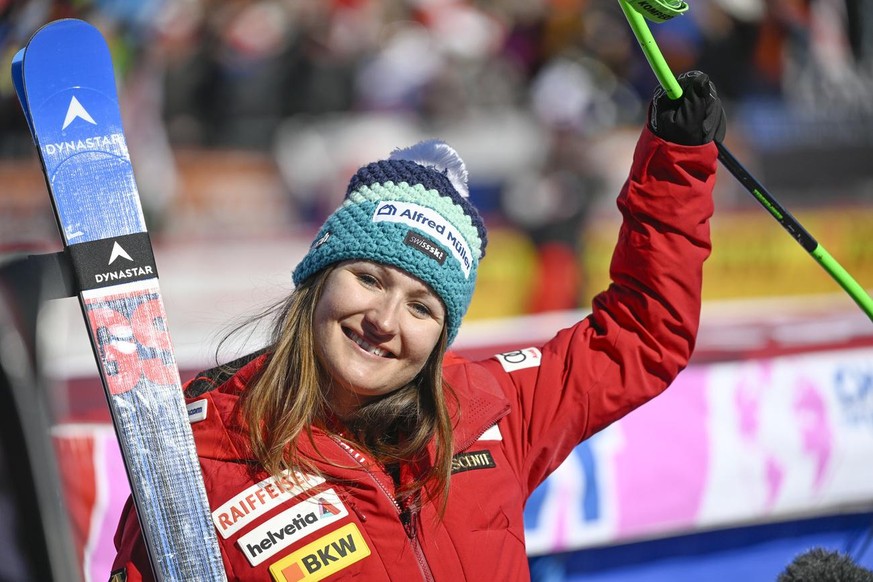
{"x": 543, "y": 402}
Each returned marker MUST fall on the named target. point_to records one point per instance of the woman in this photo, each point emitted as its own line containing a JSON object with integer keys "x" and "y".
{"x": 356, "y": 446}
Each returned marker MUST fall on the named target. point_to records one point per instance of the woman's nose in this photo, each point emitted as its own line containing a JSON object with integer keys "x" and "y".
{"x": 384, "y": 315}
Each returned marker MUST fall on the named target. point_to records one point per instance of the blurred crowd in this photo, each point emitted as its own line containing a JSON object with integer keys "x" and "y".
{"x": 319, "y": 85}
{"x": 227, "y": 72}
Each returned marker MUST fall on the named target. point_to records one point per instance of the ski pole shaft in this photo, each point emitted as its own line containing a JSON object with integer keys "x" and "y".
{"x": 668, "y": 81}
{"x": 796, "y": 230}
{"x": 651, "y": 51}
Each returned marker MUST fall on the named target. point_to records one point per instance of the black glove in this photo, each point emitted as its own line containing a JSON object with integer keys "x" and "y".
{"x": 696, "y": 118}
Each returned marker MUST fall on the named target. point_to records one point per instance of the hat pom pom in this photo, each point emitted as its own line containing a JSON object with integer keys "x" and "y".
{"x": 440, "y": 156}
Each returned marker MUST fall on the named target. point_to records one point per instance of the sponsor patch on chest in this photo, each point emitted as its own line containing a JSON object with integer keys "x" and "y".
{"x": 325, "y": 556}
{"x": 197, "y": 410}
{"x": 253, "y": 502}
{"x": 520, "y": 359}
{"x": 292, "y": 525}
{"x": 472, "y": 460}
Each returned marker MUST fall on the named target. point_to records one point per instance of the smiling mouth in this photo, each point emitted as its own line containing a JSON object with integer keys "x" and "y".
{"x": 369, "y": 348}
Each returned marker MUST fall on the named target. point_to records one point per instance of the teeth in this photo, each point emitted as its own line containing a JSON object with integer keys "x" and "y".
{"x": 367, "y": 347}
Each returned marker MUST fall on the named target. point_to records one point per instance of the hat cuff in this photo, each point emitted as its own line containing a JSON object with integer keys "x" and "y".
{"x": 351, "y": 233}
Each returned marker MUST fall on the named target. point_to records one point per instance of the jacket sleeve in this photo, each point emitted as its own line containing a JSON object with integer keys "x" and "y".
{"x": 132, "y": 556}
{"x": 642, "y": 328}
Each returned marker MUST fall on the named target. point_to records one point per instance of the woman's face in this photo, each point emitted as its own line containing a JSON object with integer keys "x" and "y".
{"x": 375, "y": 328}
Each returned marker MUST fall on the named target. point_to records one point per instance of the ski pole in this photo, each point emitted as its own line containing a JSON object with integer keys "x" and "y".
{"x": 663, "y": 10}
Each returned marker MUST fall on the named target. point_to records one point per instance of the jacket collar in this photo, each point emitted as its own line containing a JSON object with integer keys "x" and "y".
{"x": 478, "y": 405}
{"x": 480, "y": 402}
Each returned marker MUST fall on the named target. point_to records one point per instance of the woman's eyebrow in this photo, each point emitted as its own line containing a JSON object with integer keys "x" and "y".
{"x": 422, "y": 290}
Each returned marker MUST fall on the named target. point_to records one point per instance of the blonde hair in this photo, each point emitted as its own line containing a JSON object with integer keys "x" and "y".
{"x": 289, "y": 397}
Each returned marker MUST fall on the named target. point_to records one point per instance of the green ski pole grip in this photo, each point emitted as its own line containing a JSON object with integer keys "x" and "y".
{"x": 659, "y": 11}
{"x": 650, "y": 49}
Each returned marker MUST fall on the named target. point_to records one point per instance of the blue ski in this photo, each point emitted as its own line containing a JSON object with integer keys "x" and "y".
{"x": 66, "y": 84}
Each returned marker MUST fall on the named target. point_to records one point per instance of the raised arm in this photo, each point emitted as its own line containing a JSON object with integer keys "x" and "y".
{"x": 642, "y": 329}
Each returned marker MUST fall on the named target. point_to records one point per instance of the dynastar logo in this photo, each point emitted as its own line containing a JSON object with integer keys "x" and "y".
{"x": 323, "y": 557}
{"x": 118, "y": 251}
{"x": 430, "y": 223}
{"x": 76, "y": 111}
{"x": 76, "y": 118}
{"x": 112, "y": 261}
{"x": 291, "y": 525}
{"x": 97, "y": 143}
{"x": 121, "y": 275}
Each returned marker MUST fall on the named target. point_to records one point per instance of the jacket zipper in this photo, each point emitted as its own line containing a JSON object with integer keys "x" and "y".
{"x": 408, "y": 519}
{"x": 406, "y": 516}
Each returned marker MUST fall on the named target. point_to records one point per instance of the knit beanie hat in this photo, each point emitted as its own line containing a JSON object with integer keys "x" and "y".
{"x": 410, "y": 211}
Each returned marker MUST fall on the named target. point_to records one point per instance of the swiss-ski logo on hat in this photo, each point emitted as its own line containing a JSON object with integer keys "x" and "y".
{"x": 425, "y": 245}
{"x": 429, "y": 222}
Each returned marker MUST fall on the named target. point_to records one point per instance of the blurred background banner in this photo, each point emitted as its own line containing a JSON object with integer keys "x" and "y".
{"x": 96, "y": 488}
{"x": 728, "y": 444}
{"x": 245, "y": 120}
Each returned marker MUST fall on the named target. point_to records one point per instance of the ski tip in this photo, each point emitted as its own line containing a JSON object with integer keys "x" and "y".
{"x": 64, "y": 27}
{"x": 60, "y": 55}
{"x": 62, "y": 24}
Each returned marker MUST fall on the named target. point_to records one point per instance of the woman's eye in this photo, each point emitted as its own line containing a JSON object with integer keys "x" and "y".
{"x": 367, "y": 279}
{"x": 421, "y": 310}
